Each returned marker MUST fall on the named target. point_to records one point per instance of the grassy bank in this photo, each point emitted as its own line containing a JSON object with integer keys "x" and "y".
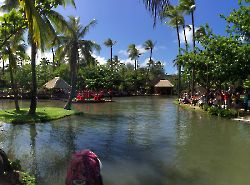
{"x": 216, "y": 111}
{"x": 43, "y": 114}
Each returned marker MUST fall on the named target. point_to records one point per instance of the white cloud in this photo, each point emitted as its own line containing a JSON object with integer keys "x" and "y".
{"x": 157, "y": 48}
{"x": 145, "y": 62}
{"x": 127, "y": 61}
{"x": 46, "y": 54}
{"x": 99, "y": 59}
{"x": 189, "y": 34}
{"x": 123, "y": 52}
{"x": 141, "y": 49}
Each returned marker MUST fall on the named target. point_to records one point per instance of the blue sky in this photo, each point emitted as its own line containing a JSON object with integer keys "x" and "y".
{"x": 128, "y": 21}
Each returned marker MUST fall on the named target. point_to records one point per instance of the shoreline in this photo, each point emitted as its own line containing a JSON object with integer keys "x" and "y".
{"x": 245, "y": 118}
{"x": 43, "y": 114}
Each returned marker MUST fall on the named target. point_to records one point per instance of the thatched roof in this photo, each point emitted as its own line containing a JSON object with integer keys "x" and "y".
{"x": 164, "y": 83}
{"x": 57, "y": 83}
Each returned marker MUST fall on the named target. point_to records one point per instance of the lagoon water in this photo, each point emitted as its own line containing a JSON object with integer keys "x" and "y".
{"x": 140, "y": 141}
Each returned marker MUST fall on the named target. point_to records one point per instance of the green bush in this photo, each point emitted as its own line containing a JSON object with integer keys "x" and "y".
{"x": 227, "y": 113}
{"x": 26, "y": 178}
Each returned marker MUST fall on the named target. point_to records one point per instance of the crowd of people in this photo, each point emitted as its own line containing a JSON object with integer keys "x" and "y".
{"x": 222, "y": 99}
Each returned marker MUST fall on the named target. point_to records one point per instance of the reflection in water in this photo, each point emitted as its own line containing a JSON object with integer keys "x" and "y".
{"x": 140, "y": 140}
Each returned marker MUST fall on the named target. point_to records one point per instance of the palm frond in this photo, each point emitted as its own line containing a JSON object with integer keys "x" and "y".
{"x": 8, "y": 5}
{"x": 86, "y": 28}
{"x": 58, "y": 21}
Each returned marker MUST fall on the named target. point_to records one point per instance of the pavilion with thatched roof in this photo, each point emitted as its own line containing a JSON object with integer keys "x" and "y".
{"x": 57, "y": 87}
{"x": 57, "y": 83}
{"x": 164, "y": 87}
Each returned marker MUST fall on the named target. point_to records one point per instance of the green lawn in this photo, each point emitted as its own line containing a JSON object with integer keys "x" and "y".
{"x": 42, "y": 115}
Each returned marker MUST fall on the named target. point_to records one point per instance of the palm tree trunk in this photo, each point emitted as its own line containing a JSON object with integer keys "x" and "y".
{"x": 111, "y": 56}
{"x": 185, "y": 37}
{"x": 73, "y": 66}
{"x": 33, "y": 101}
{"x": 3, "y": 67}
{"x": 151, "y": 53}
{"x": 179, "y": 53}
{"x": 53, "y": 59}
{"x": 135, "y": 64}
{"x": 13, "y": 86}
{"x": 193, "y": 69}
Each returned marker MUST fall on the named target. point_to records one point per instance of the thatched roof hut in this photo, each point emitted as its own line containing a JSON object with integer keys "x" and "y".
{"x": 57, "y": 83}
{"x": 164, "y": 87}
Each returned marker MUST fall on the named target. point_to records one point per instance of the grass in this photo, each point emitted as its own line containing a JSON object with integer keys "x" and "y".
{"x": 43, "y": 114}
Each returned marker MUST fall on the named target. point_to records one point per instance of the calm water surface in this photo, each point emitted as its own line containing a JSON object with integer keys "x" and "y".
{"x": 140, "y": 140}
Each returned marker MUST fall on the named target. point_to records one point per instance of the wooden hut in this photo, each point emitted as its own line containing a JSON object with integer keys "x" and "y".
{"x": 164, "y": 87}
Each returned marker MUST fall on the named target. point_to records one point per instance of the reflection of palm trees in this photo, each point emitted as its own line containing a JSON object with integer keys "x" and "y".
{"x": 33, "y": 134}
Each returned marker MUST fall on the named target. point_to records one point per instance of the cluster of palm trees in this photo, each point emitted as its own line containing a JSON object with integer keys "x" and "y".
{"x": 175, "y": 18}
{"x": 133, "y": 52}
{"x": 47, "y": 29}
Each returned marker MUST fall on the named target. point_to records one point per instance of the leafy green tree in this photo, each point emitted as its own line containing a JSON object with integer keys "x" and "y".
{"x": 44, "y": 71}
{"x": 71, "y": 43}
{"x": 14, "y": 48}
{"x": 239, "y": 23}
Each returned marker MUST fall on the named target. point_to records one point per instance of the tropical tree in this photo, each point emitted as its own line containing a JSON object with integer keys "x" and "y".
{"x": 110, "y": 43}
{"x": 175, "y": 19}
{"x": 14, "y": 48}
{"x": 133, "y": 54}
{"x": 40, "y": 18}
{"x": 149, "y": 45}
{"x": 73, "y": 45}
{"x": 156, "y": 7}
{"x": 188, "y": 6}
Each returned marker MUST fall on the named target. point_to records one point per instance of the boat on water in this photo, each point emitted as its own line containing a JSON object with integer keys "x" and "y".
{"x": 89, "y": 101}
{"x": 91, "y": 97}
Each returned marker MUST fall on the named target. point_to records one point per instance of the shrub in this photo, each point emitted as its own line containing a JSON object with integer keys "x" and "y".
{"x": 227, "y": 113}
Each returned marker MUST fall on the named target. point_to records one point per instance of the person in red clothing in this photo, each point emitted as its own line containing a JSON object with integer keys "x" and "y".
{"x": 226, "y": 100}
{"x": 84, "y": 169}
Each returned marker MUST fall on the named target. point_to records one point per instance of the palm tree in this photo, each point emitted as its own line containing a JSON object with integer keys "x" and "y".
{"x": 40, "y": 23}
{"x": 188, "y": 6}
{"x": 175, "y": 20}
{"x": 110, "y": 43}
{"x": 73, "y": 45}
{"x": 133, "y": 54}
{"x": 149, "y": 45}
{"x": 156, "y": 7}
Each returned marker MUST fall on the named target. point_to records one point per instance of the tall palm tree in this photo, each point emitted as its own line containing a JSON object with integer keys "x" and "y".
{"x": 40, "y": 23}
{"x": 149, "y": 45}
{"x": 175, "y": 20}
{"x": 188, "y": 6}
{"x": 73, "y": 45}
{"x": 133, "y": 54}
{"x": 110, "y": 43}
